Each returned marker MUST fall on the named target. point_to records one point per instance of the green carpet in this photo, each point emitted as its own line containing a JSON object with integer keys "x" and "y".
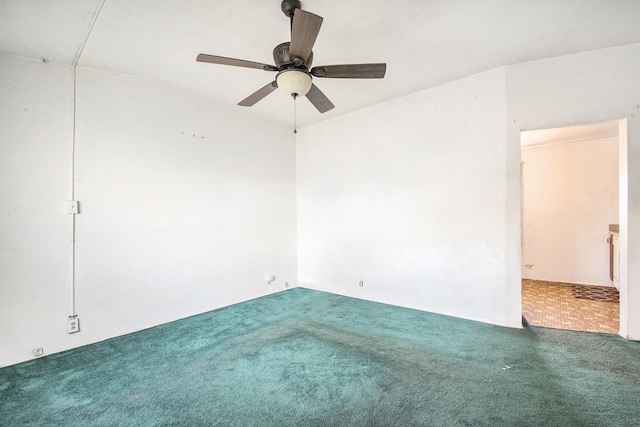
{"x": 308, "y": 358}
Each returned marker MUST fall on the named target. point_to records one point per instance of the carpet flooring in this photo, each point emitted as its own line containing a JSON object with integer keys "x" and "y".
{"x": 308, "y": 358}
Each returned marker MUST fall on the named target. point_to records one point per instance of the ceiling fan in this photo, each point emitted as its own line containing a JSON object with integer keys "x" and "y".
{"x": 293, "y": 62}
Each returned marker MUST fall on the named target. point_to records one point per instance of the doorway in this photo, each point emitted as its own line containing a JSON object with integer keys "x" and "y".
{"x": 570, "y": 204}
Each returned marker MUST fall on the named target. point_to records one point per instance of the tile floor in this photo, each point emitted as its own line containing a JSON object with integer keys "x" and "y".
{"x": 551, "y": 305}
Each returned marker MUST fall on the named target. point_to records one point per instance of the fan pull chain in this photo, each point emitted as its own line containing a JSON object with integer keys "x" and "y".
{"x": 295, "y": 124}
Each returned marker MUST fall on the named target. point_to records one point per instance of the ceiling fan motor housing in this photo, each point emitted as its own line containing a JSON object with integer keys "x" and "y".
{"x": 289, "y": 6}
{"x": 283, "y": 60}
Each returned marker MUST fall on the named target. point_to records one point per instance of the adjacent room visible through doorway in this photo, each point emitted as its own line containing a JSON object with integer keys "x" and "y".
{"x": 570, "y": 219}
{"x": 573, "y": 307}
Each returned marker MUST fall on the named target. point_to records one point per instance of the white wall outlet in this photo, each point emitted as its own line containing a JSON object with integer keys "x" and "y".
{"x": 72, "y": 206}
{"x": 269, "y": 278}
{"x": 37, "y": 352}
{"x": 286, "y": 284}
{"x": 73, "y": 324}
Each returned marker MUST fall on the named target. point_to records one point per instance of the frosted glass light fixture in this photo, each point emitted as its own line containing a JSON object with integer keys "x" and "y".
{"x": 294, "y": 82}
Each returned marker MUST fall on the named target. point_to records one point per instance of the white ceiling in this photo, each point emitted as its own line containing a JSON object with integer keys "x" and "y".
{"x": 423, "y": 42}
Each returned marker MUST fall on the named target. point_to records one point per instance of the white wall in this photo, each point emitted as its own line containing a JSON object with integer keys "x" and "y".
{"x": 185, "y": 206}
{"x": 584, "y": 88}
{"x": 569, "y": 198}
{"x": 420, "y": 197}
{"x": 409, "y": 196}
{"x": 35, "y": 232}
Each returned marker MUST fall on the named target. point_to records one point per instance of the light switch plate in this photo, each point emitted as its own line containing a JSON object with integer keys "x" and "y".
{"x": 72, "y": 206}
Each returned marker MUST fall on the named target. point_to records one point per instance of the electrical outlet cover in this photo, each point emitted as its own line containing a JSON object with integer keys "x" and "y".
{"x": 73, "y": 325}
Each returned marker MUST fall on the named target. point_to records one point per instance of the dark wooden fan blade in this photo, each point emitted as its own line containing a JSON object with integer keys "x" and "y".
{"x": 304, "y": 31}
{"x": 350, "y": 71}
{"x": 319, "y": 99}
{"x": 258, "y": 95}
{"x": 212, "y": 59}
